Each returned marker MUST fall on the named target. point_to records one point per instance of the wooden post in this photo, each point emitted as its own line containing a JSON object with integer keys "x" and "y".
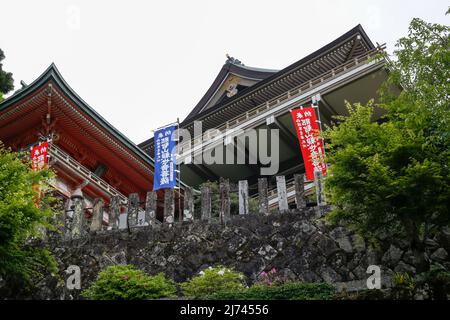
{"x": 225, "y": 202}
{"x": 97, "y": 215}
{"x": 150, "y": 207}
{"x": 299, "y": 184}
{"x": 188, "y": 211}
{"x": 78, "y": 219}
{"x": 133, "y": 208}
{"x": 262, "y": 196}
{"x": 169, "y": 206}
{"x": 243, "y": 197}
{"x": 282, "y": 194}
{"x": 114, "y": 212}
{"x": 206, "y": 203}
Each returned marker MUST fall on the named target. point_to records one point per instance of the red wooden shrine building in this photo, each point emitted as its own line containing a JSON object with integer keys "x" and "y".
{"x": 86, "y": 151}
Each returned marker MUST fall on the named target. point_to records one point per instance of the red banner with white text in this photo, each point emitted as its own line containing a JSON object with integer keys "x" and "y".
{"x": 310, "y": 140}
{"x": 39, "y": 159}
{"x": 39, "y": 156}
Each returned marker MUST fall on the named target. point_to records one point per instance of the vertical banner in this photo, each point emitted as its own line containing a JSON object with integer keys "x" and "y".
{"x": 39, "y": 159}
{"x": 39, "y": 156}
{"x": 165, "y": 164}
{"x": 310, "y": 140}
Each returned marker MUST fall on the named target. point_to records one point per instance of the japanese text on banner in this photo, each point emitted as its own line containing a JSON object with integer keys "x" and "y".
{"x": 165, "y": 163}
{"x": 310, "y": 140}
{"x": 39, "y": 159}
{"x": 39, "y": 156}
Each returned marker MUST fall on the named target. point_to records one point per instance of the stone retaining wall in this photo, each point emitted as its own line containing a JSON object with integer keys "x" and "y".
{"x": 299, "y": 246}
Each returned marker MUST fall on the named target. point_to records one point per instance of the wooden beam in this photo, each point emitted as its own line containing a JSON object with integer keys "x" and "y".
{"x": 355, "y": 45}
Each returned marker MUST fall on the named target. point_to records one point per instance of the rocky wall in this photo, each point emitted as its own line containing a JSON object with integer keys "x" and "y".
{"x": 297, "y": 244}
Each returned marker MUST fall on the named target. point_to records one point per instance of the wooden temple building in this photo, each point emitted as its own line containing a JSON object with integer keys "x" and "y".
{"x": 243, "y": 97}
{"x": 88, "y": 154}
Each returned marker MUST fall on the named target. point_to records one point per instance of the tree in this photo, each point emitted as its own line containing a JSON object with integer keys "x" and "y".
{"x": 21, "y": 220}
{"x": 6, "y": 79}
{"x": 391, "y": 178}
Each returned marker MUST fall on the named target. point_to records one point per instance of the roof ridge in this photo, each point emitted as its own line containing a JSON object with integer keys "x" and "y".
{"x": 314, "y": 55}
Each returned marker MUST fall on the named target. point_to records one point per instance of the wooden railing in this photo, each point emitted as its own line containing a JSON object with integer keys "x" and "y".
{"x": 66, "y": 160}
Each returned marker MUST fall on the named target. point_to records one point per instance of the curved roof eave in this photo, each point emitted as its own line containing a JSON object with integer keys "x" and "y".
{"x": 228, "y": 68}
{"x": 195, "y": 114}
{"x": 52, "y": 73}
{"x": 315, "y": 55}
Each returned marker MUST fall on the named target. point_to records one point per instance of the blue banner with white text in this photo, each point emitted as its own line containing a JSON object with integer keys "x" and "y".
{"x": 165, "y": 164}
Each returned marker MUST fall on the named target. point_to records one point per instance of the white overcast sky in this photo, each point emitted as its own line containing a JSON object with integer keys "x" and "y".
{"x": 142, "y": 64}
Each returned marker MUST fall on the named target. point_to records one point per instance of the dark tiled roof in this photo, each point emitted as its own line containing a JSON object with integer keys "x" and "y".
{"x": 229, "y": 67}
{"x": 353, "y": 43}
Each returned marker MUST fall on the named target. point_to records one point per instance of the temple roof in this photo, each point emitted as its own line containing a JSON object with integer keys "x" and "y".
{"x": 52, "y": 73}
{"x": 83, "y": 130}
{"x": 271, "y": 83}
{"x": 231, "y": 79}
{"x": 342, "y": 49}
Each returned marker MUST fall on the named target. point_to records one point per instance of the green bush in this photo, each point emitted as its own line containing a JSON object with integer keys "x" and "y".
{"x": 212, "y": 280}
{"x": 22, "y": 265}
{"x": 404, "y": 287}
{"x": 284, "y": 291}
{"x": 124, "y": 282}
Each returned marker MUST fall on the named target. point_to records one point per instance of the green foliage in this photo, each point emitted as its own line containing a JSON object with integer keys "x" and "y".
{"x": 212, "y": 280}
{"x": 284, "y": 291}
{"x": 21, "y": 219}
{"x": 403, "y": 286}
{"x": 6, "y": 79}
{"x": 391, "y": 177}
{"x": 124, "y": 282}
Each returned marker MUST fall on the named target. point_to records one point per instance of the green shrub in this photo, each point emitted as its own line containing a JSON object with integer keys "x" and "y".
{"x": 212, "y": 280}
{"x": 284, "y": 291}
{"x": 124, "y": 282}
